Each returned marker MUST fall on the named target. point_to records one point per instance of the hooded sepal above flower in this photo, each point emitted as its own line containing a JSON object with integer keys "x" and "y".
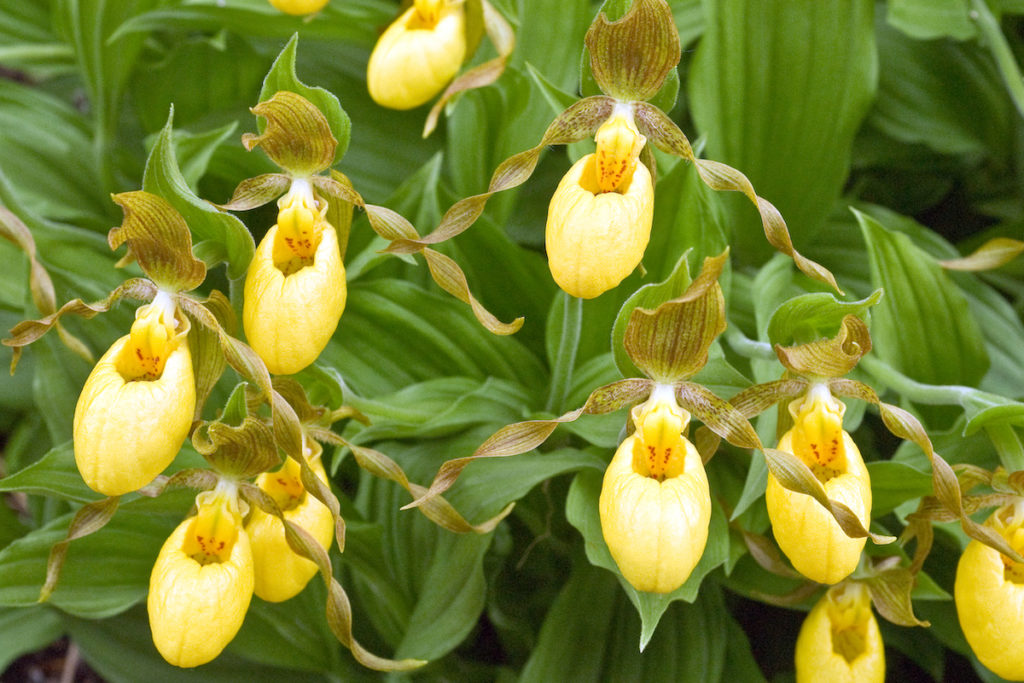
{"x": 159, "y": 239}
{"x": 631, "y": 56}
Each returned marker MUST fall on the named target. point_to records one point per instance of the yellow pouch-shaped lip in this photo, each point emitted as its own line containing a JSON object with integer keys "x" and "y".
{"x": 990, "y": 607}
{"x": 415, "y": 59}
{"x": 807, "y": 533}
{"x": 656, "y": 530}
{"x": 595, "y": 239}
{"x": 128, "y": 432}
{"x": 196, "y": 609}
{"x": 817, "y": 660}
{"x": 289, "y": 319}
{"x": 280, "y": 573}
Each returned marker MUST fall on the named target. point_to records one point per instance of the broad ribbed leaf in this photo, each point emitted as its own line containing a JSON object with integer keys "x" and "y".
{"x": 780, "y": 89}
{"x": 923, "y": 327}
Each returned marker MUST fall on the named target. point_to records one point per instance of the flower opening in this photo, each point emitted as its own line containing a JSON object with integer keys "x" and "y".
{"x": 655, "y": 505}
{"x": 295, "y": 288}
{"x": 418, "y": 54}
{"x": 806, "y": 532}
{"x": 137, "y": 405}
{"x": 989, "y": 595}
{"x": 280, "y": 572}
{"x": 599, "y": 218}
{"x": 202, "y": 581}
{"x": 839, "y": 640}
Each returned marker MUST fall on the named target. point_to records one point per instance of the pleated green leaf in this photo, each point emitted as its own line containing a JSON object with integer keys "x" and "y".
{"x": 784, "y": 110}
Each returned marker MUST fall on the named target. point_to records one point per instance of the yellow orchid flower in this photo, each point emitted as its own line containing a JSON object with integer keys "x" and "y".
{"x": 295, "y": 289}
{"x": 989, "y": 594}
{"x": 599, "y": 219}
{"x": 202, "y": 581}
{"x": 655, "y": 505}
{"x": 418, "y": 54}
{"x": 136, "y": 407}
{"x": 280, "y": 573}
{"x": 299, "y": 7}
{"x": 839, "y": 641}
{"x": 807, "y": 533}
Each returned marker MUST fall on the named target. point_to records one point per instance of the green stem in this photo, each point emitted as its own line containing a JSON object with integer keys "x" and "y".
{"x": 1001, "y": 52}
{"x": 747, "y": 347}
{"x": 1008, "y": 445}
{"x": 565, "y": 360}
{"x": 929, "y": 394}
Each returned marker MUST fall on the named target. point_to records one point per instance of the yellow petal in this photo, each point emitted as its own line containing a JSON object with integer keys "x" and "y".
{"x": 196, "y": 609}
{"x": 128, "y": 432}
{"x": 990, "y": 605}
{"x": 618, "y": 147}
{"x": 417, "y": 56}
{"x": 299, "y": 7}
{"x": 280, "y": 572}
{"x": 841, "y": 643}
{"x": 807, "y": 533}
{"x": 289, "y": 319}
{"x": 595, "y": 239}
{"x": 656, "y": 530}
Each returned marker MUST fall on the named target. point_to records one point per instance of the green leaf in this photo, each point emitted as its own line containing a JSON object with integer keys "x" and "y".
{"x": 780, "y": 89}
{"x": 812, "y": 316}
{"x": 55, "y": 474}
{"x": 923, "y": 327}
{"x": 588, "y": 635}
{"x": 944, "y": 95}
{"x": 893, "y": 483}
{"x": 27, "y": 629}
{"x": 581, "y": 509}
{"x": 930, "y": 19}
{"x": 121, "y": 650}
{"x": 207, "y": 223}
{"x": 394, "y": 334}
{"x": 424, "y": 587}
{"x": 282, "y": 77}
{"x": 648, "y": 297}
{"x": 104, "y": 573}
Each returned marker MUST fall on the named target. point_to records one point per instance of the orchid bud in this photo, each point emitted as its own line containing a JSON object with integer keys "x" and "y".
{"x": 295, "y": 289}
{"x": 989, "y": 594}
{"x": 418, "y": 54}
{"x": 136, "y": 407}
{"x": 280, "y": 572}
{"x": 655, "y": 505}
{"x": 599, "y": 219}
{"x": 805, "y": 531}
{"x": 839, "y": 641}
{"x": 202, "y": 582}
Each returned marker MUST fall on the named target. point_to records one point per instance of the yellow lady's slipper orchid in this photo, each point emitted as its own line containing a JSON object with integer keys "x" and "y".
{"x": 280, "y": 572}
{"x": 989, "y": 594}
{"x": 655, "y": 506}
{"x": 839, "y": 641}
{"x": 136, "y": 407}
{"x": 295, "y": 289}
{"x": 599, "y": 219}
{"x": 418, "y": 54}
{"x": 202, "y": 582}
{"x": 299, "y": 7}
{"x": 807, "y": 533}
